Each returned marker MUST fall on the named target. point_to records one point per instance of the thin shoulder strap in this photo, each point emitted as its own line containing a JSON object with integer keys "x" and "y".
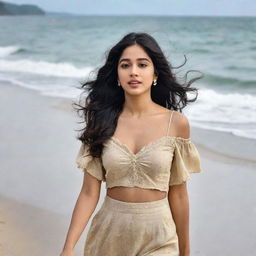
{"x": 170, "y": 120}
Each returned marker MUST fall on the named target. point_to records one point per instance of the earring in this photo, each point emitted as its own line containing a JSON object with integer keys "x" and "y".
{"x": 118, "y": 83}
{"x": 154, "y": 83}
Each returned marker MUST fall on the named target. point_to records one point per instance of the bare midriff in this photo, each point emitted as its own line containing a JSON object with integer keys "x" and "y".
{"x": 135, "y": 194}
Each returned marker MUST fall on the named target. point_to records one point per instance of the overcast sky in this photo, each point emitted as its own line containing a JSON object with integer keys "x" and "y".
{"x": 148, "y": 7}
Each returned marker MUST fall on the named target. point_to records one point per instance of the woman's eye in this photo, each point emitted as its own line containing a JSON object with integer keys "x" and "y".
{"x": 124, "y": 65}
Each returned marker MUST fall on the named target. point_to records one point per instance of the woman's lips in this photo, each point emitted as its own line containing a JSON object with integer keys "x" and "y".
{"x": 134, "y": 84}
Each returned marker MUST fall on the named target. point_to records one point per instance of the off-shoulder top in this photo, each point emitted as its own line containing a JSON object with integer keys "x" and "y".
{"x": 162, "y": 163}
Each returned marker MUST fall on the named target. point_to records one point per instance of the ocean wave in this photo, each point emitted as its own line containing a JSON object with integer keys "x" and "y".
{"x": 63, "y": 69}
{"x": 8, "y": 50}
{"x": 230, "y": 112}
{"x": 218, "y": 80}
{"x": 245, "y": 133}
{"x": 216, "y": 107}
{"x": 244, "y": 68}
{"x": 200, "y": 50}
{"x": 70, "y": 92}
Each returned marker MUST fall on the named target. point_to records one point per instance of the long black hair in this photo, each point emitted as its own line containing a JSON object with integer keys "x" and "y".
{"x": 104, "y": 99}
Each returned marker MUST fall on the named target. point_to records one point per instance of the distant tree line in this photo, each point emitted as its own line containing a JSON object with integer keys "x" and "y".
{"x": 23, "y": 9}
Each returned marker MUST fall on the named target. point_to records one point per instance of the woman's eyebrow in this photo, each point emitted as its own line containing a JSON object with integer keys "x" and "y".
{"x": 126, "y": 59}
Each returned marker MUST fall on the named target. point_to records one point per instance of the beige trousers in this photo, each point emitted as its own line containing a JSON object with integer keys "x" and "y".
{"x": 132, "y": 229}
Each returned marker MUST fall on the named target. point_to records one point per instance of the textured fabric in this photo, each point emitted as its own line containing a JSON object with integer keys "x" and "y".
{"x": 186, "y": 160}
{"x": 163, "y": 162}
{"x": 90, "y": 164}
{"x": 132, "y": 229}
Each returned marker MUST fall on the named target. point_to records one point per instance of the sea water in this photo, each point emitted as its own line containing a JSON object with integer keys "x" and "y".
{"x": 54, "y": 54}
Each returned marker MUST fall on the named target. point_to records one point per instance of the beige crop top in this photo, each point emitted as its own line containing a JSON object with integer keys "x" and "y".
{"x": 164, "y": 162}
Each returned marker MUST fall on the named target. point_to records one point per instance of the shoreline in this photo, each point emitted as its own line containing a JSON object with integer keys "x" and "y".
{"x": 198, "y": 135}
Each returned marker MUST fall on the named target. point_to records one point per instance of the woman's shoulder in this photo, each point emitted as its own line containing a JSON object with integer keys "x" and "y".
{"x": 181, "y": 124}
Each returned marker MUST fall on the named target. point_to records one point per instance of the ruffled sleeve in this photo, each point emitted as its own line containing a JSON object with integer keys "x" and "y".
{"x": 186, "y": 160}
{"x": 92, "y": 165}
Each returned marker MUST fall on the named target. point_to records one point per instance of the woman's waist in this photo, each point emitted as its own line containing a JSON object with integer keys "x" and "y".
{"x": 135, "y": 194}
{"x": 149, "y": 205}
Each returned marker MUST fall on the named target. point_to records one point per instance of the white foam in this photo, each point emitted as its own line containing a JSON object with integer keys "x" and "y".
{"x": 56, "y": 91}
{"x": 231, "y": 112}
{"x": 212, "y": 106}
{"x": 241, "y": 132}
{"x": 63, "y": 69}
{"x": 7, "y": 50}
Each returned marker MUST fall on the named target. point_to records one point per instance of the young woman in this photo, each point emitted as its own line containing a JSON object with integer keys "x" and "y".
{"x": 137, "y": 141}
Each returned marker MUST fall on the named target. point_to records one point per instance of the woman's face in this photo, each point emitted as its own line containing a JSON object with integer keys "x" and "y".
{"x": 135, "y": 64}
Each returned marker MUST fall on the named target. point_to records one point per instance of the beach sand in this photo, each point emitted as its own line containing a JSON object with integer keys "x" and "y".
{"x": 40, "y": 182}
{"x": 29, "y": 230}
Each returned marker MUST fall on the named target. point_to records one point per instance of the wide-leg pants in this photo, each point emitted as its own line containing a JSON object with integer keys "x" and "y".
{"x": 132, "y": 229}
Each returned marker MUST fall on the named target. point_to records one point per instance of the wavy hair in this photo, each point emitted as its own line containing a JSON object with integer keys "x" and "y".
{"x": 104, "y": 99}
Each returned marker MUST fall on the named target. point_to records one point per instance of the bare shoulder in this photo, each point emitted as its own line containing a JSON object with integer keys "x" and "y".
{"x": 181, "y": 125}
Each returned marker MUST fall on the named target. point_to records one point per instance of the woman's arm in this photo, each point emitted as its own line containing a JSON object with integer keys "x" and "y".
{"x": 84, "y": 207}
{"x": 178, "y": 195}
{"x": 179, "y": 204}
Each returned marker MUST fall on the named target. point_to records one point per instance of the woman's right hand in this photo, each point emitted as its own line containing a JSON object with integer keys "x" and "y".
{"x": 67, "y": 253}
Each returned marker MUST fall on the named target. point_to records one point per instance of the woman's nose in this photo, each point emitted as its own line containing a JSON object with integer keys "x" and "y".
{"x": 134, "y": 70}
